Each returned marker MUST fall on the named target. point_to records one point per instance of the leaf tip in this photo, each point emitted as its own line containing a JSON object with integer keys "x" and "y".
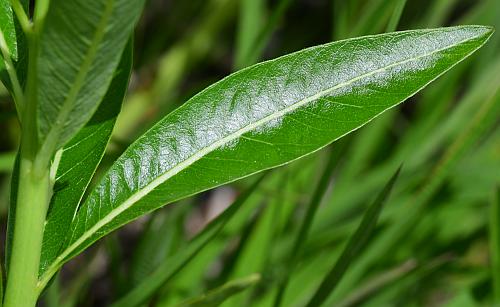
{"x": 481, "y": 31}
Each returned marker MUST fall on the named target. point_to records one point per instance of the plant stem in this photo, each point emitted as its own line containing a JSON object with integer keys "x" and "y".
{"x": 32, "y": 202}
{"x": 33, "y": 196}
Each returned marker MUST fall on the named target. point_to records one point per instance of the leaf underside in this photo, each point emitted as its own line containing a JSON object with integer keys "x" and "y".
{"x": 79, "y": 160}
{"x": 264, "y": 116}
{"x": 80, "y": 47}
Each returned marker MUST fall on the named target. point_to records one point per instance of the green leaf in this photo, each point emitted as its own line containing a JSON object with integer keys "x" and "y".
{"x": 80, "y": 47}
{"x": 354, "y": 246}
{"x": 264, "y": 116}
{"x": 8, "y": 28}
{"x": 74, "y": 173}
{"x": 180, "y": 259}
{"x": 219, "y": 295}
{"x": 79, "y": 160}
{"x": 14, "y": 37}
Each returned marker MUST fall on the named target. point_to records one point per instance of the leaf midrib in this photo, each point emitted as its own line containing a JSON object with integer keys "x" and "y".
{"x": 231, "y": 137}
{"x": 53, "y": 135}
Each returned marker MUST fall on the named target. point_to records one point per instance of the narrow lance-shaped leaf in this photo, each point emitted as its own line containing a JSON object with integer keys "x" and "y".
{"x": 264, "y": 116}
{"x": 79, "y": 160}
{"x": 80, "y": 48}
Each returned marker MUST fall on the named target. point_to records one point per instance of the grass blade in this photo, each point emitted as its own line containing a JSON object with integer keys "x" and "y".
{"x": 264, "y": 35}
{"x": 377, "y": 283}
{"x": 355, "y": 244}
{"x": 219, "y": 295}
{"x": 396, "y": 16}
{"x": 172, "y": 266}
{"x": 308, "y": 219}
{"x": 249, "y": 25}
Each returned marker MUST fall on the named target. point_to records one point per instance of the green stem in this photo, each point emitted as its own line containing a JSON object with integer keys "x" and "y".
{"x": 33, "y": 196}
{"x": 32, "y": 202}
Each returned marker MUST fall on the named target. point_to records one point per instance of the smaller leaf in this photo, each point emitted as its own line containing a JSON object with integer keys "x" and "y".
{"x": 178, "y": 261}
{"x": 219, "y": 295}
{"x": 354, "y": 246}
{"x": 80, "y": 158}
{"x": 81, "y": 43}
{"x": 8, "y": 27}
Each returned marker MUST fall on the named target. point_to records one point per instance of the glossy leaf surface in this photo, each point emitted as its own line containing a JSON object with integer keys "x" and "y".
{"x": 80, "y": 158}
{"x": 81, "y": 45}
{"x": 265, "y": 116}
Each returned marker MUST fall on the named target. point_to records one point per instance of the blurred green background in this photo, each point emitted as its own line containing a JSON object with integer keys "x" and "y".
{"x": 437, "y": 241}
